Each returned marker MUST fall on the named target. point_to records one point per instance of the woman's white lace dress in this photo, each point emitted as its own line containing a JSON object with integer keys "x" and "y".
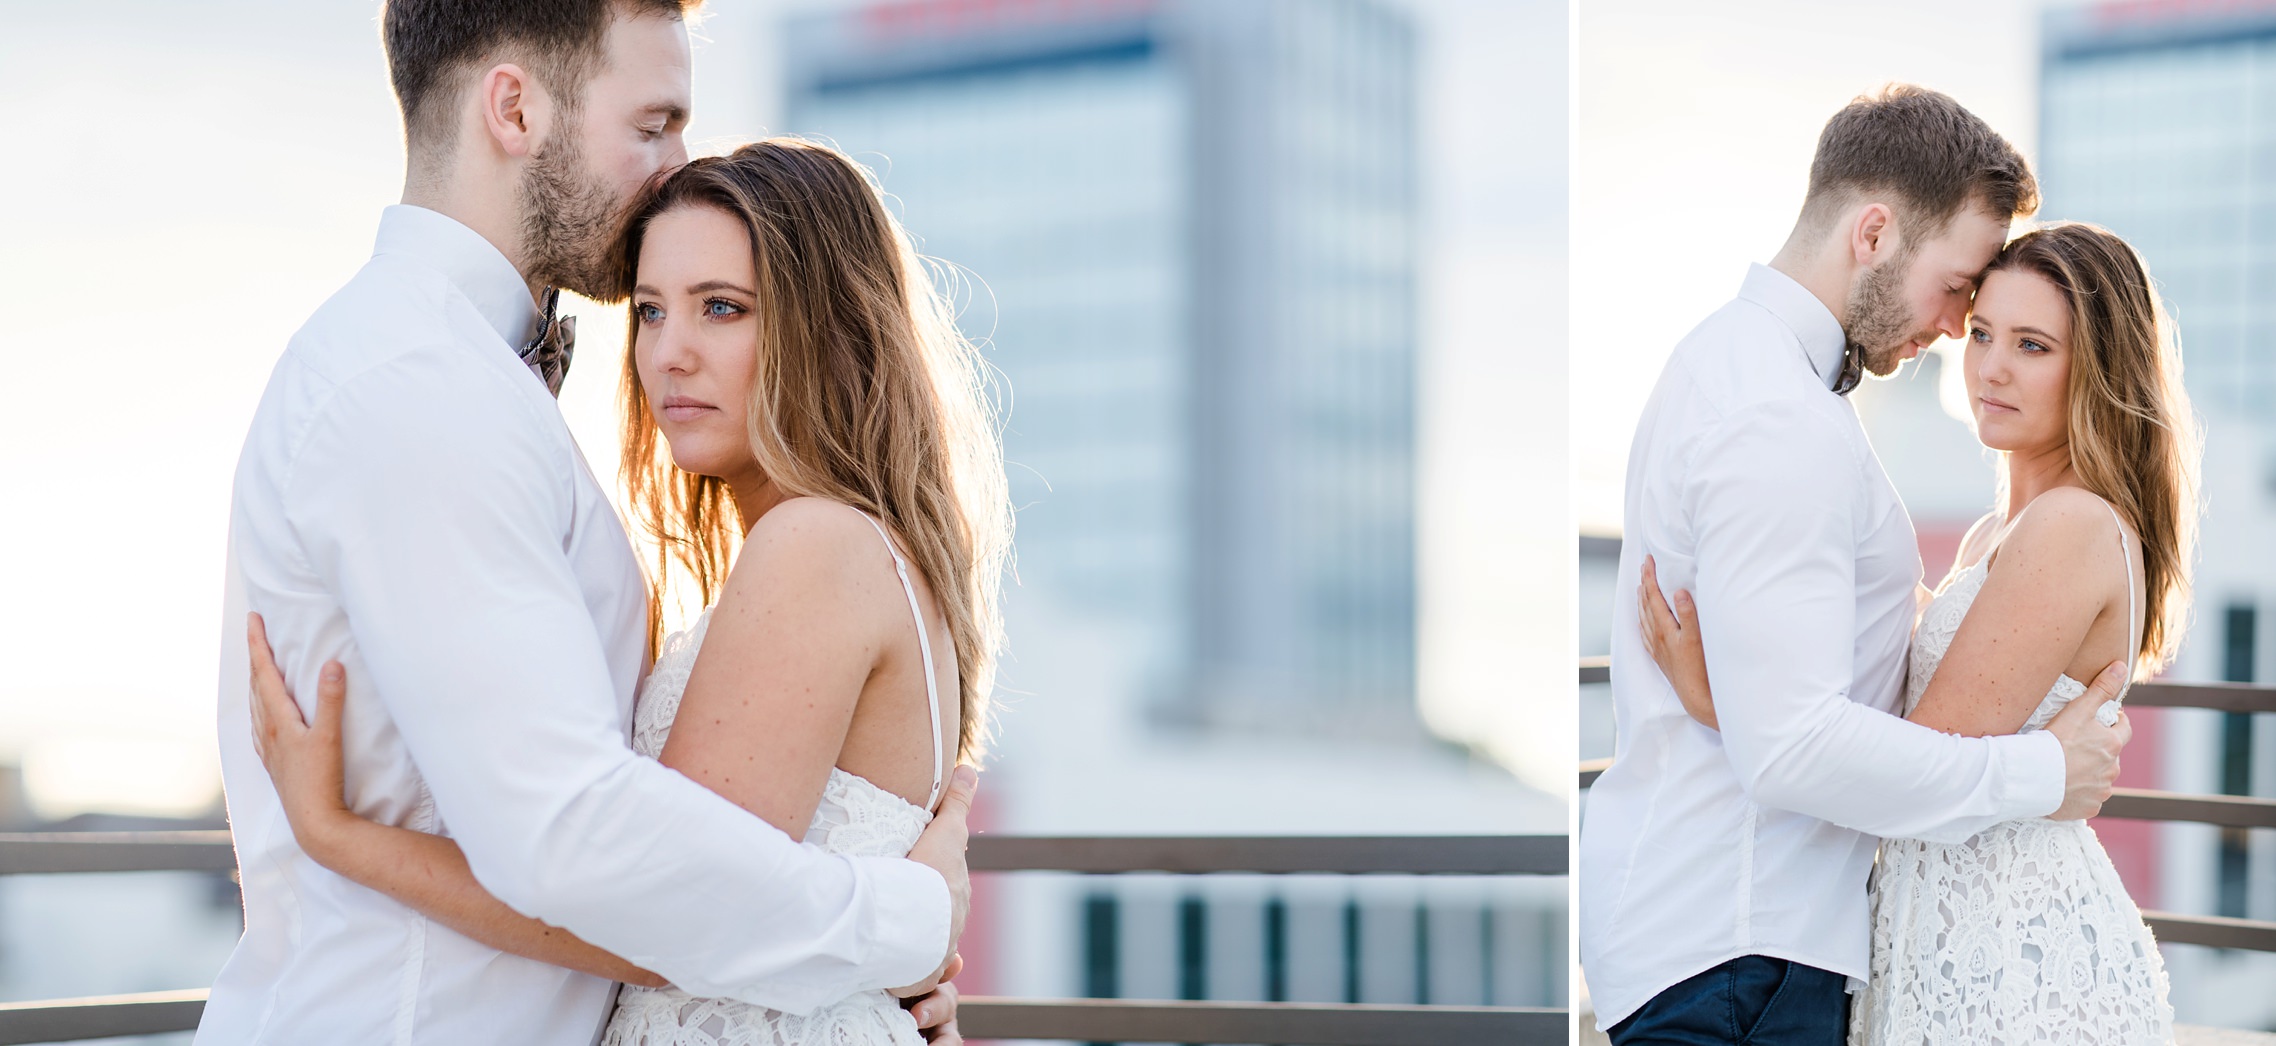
{"x": 855, "y": 817}
{"x": 2023, "y": 934}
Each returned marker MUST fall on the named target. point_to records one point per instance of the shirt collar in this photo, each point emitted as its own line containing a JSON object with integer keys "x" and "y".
{"x": 472, "y": 264}
{"x": 1823, "y": 343}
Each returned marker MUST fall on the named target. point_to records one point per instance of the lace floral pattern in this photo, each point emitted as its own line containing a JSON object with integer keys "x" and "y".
{"x": 2021, "y": 934}
{"x": 855, "y": 817}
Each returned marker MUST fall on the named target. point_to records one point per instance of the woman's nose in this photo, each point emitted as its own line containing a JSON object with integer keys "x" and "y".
{"x": 1992, "y": 370}
{"x": 673, "y": 351}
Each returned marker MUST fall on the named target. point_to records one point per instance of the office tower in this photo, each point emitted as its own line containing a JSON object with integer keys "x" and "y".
{"x": 1190, "y": 232}
{"x": 2159, "y": 121}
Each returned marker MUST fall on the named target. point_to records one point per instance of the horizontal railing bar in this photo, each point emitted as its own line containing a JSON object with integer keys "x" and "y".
{"x": 1334, "y": 854}
{"x": 2219, "y": 697}
{"x": 1283, "y": 1024}
{"x": 102, "y": 1017}
{"x": 2212, "y": 931}
{"x": 1272, "y": 1024}
{"x": 2234, "y": 811}
{"x": 2134, "y": 804}
{"x": 58, "y": 852}
{"x": 25, "y": 854}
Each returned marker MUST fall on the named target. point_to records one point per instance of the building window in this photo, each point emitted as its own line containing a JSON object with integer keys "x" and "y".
{"x": 1101, "y": 947}
{"x": 1193, "y": 948}
{"x": 1102, "y": 964}
{"x": 2237, "y": 650}
{"x": 1422, "y": 955}
{"x": 1351, "y": 951}
{"x": 1276, "y": 950}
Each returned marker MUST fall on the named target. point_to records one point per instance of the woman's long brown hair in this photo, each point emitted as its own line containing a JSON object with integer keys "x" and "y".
{"x": 864, "y": 394}
{"x": 2133, "y": 438}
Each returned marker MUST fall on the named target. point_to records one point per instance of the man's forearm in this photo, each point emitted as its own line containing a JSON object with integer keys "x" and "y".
{"x": 1875, "y": 773}
{"x": 676, "y": 879}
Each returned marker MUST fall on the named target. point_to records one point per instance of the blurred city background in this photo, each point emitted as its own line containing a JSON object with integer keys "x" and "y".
{"x": 1276, "y": 291}
{"x": 2156, "y": 118}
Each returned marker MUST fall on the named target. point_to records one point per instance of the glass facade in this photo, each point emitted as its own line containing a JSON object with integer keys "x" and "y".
{"x": 2159, "y": 122}
{"x": 2169, "y": 139}
{"x": 1188, "y": 232}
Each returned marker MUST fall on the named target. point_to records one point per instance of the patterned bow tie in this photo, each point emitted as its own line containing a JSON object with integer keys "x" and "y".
{"x": 1852, "y": 369}
{"x": 548, "y": 352}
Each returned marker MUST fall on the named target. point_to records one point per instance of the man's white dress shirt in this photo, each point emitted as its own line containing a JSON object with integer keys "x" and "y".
{"x": 1752, "y": 485}
{"x": 409, "y": 501}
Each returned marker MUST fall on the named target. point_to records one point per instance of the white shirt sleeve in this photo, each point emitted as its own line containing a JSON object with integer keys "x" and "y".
{"x": 438, "y": 524}
{"x": 1775, "y": 524}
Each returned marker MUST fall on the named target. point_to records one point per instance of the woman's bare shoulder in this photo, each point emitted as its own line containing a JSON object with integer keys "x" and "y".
{"x": 809, "y": 549}
{"x": 2070, "y": 519}
{"x": 2068, "y": 537}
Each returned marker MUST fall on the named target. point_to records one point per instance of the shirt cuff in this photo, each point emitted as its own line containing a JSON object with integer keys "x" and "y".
{"x": 908, "y": 922}
{"x": 2031, "y": 775}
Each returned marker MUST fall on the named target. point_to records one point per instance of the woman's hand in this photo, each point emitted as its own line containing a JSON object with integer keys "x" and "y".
{"x": 935, "y": 1013}
{"x": 1673, "y": 638}
{"x": 304, "y": 761}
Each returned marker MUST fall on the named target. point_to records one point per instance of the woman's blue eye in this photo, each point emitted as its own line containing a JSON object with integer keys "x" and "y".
{"x": 648, "y": 313}
{"x": 2032, "y": 346}
{"x": 1978, "y": 334}
{"x": 720, "y": 309}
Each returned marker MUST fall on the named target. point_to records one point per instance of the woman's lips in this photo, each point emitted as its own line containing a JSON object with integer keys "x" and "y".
{"x": 1992, "y": 406}
{"x": 682, "y": 408}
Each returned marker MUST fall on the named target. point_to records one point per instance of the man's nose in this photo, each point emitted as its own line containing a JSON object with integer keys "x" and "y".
{"x": 1953, "y": 322}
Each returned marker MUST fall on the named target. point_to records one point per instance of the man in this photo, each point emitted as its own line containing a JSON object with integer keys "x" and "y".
{"x": 409, "y": 502}
{"x": 1722, "y": 876}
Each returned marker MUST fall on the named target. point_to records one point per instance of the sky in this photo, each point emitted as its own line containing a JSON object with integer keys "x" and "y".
{"x": 1696, "y": 126}
{"x": 187, "y": 182}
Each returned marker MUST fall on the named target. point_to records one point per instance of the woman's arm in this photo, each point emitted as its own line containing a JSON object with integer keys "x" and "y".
{"x": 429, "y": 874}
{"x": 1672, "y": 635}
{"x": 2056, "y": 575}
{"x": 2023, "y": 630}
{"x": 425, "y": 872}
{"x": 799, "y": 628}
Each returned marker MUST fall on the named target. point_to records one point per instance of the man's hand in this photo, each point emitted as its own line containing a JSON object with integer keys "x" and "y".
{"x": 2090, "y": 749}
{"x": 941, "y": 849}
{"x": 936, "y": 1013}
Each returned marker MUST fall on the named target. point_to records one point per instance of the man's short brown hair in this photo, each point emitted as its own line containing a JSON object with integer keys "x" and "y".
{"x": 432, "y": 45}
{"x": 1925, "y": 150}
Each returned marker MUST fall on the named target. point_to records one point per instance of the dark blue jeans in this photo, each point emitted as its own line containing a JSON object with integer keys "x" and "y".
{"x": 1753, "y": 1000}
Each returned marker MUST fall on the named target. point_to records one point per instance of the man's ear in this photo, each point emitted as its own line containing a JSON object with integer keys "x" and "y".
{"x": 515, "y": 110}
{"x": 1872, "y": 233}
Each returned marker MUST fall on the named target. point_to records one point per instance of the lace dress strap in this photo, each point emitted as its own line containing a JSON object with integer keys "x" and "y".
{"x": 2133, "y": 621}
{"x": 924, "y": 647}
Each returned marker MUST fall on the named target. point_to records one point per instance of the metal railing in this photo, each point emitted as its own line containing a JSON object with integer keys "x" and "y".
{"x": 2141, "y": 804}
{"x": 980, "y": 1017}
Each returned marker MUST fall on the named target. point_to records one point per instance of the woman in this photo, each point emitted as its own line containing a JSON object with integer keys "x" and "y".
{"x": 2024, "y": 933}
{"x": 833, "y": 482}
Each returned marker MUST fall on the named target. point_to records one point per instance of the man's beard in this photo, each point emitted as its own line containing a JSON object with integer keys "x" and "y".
{"x": 1879, "y": 326}
{"x": 568, "y": 220}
